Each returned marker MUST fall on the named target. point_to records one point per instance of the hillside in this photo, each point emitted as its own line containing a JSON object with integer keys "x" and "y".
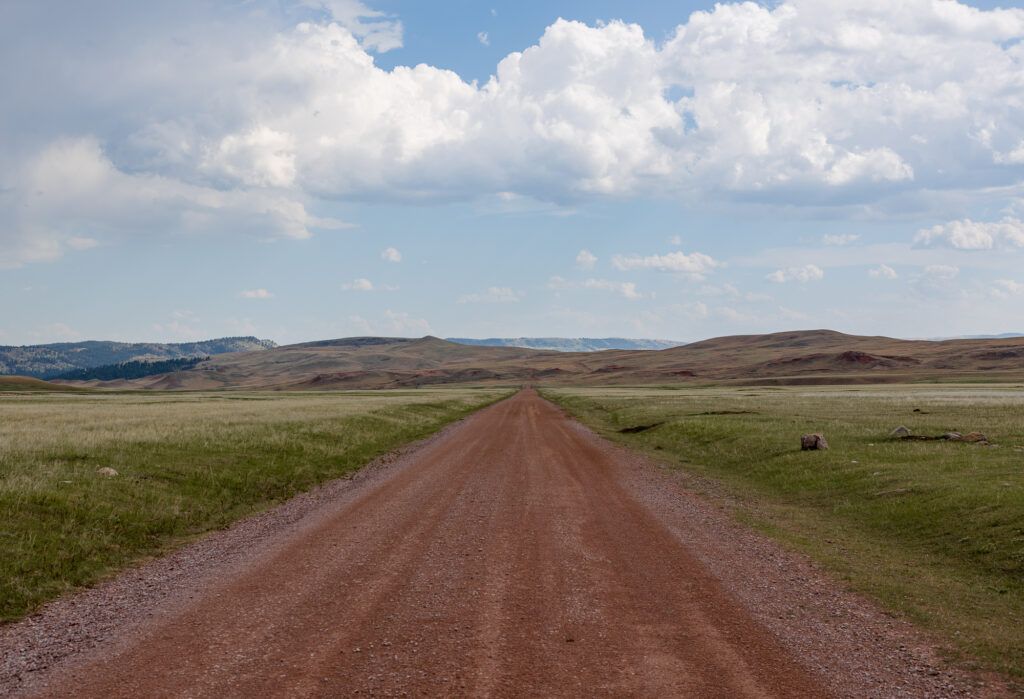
{"x": 135, "y": 369}
{"x": 49, "y": 361}
{"x": 570, "y": 344}
{"x": 25, "y": 383}
{"x": 815, "y": 356}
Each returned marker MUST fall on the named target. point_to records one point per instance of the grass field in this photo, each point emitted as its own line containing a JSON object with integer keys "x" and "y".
{"x": 187, "y": 463}
{"x": 933, "y": 529}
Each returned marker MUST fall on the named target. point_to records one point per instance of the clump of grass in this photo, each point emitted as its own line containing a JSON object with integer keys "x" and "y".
{"x": 187, "y": 463}
{"x": 933, "y": 529}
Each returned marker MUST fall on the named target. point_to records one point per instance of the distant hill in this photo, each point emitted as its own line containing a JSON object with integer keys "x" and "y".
{"x": 978, "y": 337}
{"x": 799, "y": 357}
{"x": 50, "y": 361}
{"x": 570, "y": 344}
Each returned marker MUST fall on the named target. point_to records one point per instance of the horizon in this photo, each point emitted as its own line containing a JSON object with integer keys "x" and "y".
{"x": 467, "y": 340}
{"x": 334, "y": 168}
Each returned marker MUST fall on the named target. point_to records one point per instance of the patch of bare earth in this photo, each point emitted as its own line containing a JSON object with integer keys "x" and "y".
{"x": 514, "y": 554}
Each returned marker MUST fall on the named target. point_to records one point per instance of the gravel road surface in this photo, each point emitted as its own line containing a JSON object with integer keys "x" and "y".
{"x": 516, "y": 554}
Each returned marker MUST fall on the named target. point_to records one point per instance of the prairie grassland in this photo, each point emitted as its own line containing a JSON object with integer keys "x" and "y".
{"x": 933, "y": 529}
{"x": 187, "y": 463}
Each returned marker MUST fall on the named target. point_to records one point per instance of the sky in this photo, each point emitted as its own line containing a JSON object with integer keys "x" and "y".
{"x": 310, "y": 169}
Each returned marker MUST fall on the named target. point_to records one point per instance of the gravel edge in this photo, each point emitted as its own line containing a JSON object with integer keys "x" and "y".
{"x": 836, "y": 633}
{"x": 69, "y": 630}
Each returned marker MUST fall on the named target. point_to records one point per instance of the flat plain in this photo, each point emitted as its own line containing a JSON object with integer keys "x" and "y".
{"x": 514, "y": 554}
{"x": 933, "y": 529}
{"x": 186, "y": 463}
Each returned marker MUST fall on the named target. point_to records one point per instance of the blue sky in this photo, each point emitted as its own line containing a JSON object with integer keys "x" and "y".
{"x": 305, "y": 170}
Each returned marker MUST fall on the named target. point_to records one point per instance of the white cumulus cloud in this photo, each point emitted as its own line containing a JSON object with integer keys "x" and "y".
{"x": 974, "y": 235}
{"x": 494, "y": 294}
{"x": 361, "y": 284}
{"x": 789, "y": 103}
{"x": 883, "y": 271}
{"x": 840, "y": 238}
{"x": 625, "y": 289}
{"x": 1007, "y": 287}
{"x": 696, "y": 265}
{"x": 585, "y": 259}
{"x": 941, "y": 272}
{"x": 806, "y": 273}
{"x": 256, "y": 294}
{"x": 72, "y": 184}
{"x": 391, "y": 255}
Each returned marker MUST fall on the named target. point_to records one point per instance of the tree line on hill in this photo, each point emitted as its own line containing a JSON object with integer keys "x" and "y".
{"x": 130, "y": 370}
{"x": 59, "y": 358}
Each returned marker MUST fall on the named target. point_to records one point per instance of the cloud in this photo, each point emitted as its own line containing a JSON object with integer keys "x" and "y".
{"x": 494, "y": 294}
{"x": 940, "y": 272}
{"x": 734, "y": 315}
{"x": 483, "y": 39}
{"x": 696, "y": 265}
{"x": 806, "y": 273}
{"x": 182, "y": 326}
{"x": 76, "y": 243}
{"x": 695, "y": 310}
{"x": 974, "y": 235}
{"x": 585, "y": 260}
{"x": 840, "y": 238}
{"x": 793, "y": 103}
{"x": 790, "y": 314}
{"x": 625, "y": 289}
{"x": 256, "y": 294}
{"x": 403, "y": 322}
{"x": 358, "y": 285}
{"x": 73, "y": 186}
{"x": 731, "y": 291}
{"x": 376, "y": 30}
{"x": 391, "y": 255}
{"x": 883, "y": 271}
{"x": 361, "y": 324}
{"x": 876, "y": 165}
{"x": 1006, "y": 287}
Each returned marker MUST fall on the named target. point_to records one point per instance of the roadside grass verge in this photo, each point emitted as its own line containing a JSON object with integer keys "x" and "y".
{"x": 932, "y": 529}
{"x": 187, "y": 463}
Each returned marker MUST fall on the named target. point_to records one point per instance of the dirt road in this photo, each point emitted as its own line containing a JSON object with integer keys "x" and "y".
{"x": 512, "y": 559}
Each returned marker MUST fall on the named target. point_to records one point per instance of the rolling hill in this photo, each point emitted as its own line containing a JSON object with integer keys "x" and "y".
{"x": 26, "y": 383}
{"x": 799, "y": 357}
{"x": 49, "y": 361}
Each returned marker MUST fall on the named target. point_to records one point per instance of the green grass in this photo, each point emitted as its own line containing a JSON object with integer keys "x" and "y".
{"x": 934, "y": 530}
{"x": 187, "y": 464}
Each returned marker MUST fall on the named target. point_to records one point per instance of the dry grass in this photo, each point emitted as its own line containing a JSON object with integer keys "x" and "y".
{"x": 933, "y": 529}
{"x": 187, "y": 463}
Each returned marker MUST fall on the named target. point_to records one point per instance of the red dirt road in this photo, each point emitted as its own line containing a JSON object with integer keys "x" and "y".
{"x": 510, "y": 560}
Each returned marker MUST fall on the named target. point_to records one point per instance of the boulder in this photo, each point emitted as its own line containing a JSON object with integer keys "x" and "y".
{"x": 953, "y": 436}
{"x": 810, "y": 442}
{"x": 975, "y": 437}
{"x": 106, "y": 471}
{"x": 900, "y": 431}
